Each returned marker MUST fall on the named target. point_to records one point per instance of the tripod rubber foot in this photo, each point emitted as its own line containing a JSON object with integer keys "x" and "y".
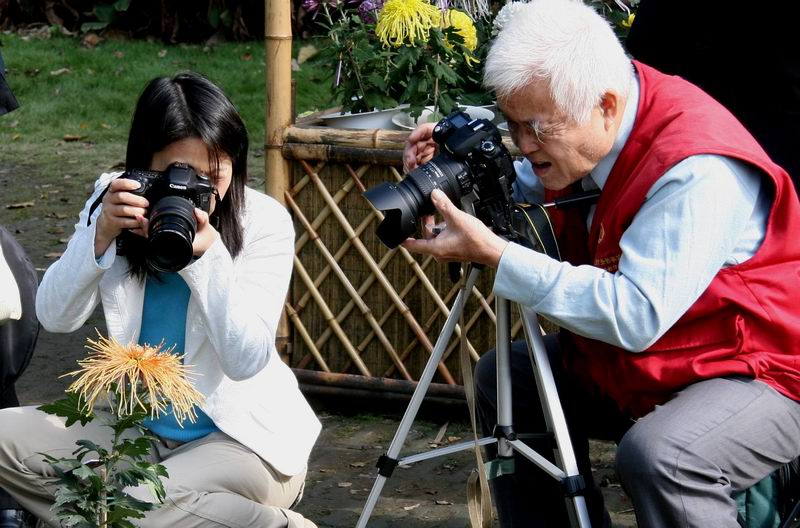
{"x": 499, "y": 467}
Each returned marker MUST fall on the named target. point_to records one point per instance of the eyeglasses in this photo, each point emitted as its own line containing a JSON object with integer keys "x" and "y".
{"x": 541, "y": 131}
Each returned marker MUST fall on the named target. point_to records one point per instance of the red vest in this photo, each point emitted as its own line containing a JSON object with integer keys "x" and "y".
{"x": 748, "y": 320}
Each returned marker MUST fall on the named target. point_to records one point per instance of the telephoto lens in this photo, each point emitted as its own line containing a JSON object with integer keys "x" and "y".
{"x": 405, "y": 202}
{"x": 172, "y": 230}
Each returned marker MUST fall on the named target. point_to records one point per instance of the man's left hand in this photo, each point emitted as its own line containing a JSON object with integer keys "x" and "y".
{"x": 466, "y": 239}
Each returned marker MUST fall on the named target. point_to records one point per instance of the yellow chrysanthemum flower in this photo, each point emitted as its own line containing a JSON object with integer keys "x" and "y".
{"x": 159, "y": 374}
{"x": 405, "y": 21}
{"x": 462, "y": 23}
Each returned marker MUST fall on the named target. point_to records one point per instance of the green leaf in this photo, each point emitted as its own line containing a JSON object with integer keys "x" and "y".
{"x": 135, "y": 449}
{"x": 84, "y": 472}
{"x": 122, "y": 5}
{"x": 72, "y": 408}
{"x": 135, "y": 419}
{"x": 91, "y": 447}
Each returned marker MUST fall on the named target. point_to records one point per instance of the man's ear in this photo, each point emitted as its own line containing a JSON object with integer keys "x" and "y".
{"x": 612, "y": 105}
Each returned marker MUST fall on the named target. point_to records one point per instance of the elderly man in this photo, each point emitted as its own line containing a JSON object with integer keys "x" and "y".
{"x": 678, "y": 295}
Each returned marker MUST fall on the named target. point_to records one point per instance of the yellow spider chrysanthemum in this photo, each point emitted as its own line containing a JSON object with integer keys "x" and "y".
{"x": 462, "y": 23}
{"x": 406, "y": 21}
{"x": 133, "y": 368}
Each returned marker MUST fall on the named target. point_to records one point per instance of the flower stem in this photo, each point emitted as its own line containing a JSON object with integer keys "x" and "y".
{"x": 357, "y": 71}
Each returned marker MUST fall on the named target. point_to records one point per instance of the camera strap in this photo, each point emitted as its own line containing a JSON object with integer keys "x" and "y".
{"x": 95, "y": 205}
{"x": 479, "y": 498}
{"x": 534, "y": 230}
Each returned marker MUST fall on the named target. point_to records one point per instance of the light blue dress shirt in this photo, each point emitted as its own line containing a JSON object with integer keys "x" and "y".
{"x": 705, "y": 213}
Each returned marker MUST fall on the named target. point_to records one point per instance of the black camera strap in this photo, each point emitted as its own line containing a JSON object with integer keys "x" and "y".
{"x": 534, "y": 229}
{"x": 95, "y": 205}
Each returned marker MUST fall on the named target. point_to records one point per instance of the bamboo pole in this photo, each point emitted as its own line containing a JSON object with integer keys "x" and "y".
{"x": 277, "y": 171}
{"x": 317, "y": 151}
{"x": 354, "y": 140}
{"x": 306, "y": 337}
{"x": 370, "y": 139}
{"x": 278, "y": 42}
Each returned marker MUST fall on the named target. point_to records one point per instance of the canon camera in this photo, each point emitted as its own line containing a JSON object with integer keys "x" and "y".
{"x": 473, "y": 168}
{"x": 173, "y": 194}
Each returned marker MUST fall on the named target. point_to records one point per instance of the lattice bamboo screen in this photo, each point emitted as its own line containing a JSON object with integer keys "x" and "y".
{"x": 357, "y": 307}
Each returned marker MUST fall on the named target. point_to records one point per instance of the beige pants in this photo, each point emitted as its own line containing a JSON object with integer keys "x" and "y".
{"x": 213, "y": 481}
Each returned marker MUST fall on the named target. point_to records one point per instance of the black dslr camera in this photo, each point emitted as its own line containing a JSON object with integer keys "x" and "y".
{"x": 173, "y": 195}
{"x": 473, "y": 168}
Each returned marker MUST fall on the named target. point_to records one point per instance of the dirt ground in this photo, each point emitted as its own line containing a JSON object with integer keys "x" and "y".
{"x": 42, "y": 188}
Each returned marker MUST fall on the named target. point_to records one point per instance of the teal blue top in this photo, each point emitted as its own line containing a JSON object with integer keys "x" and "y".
{"x": 164, "y": 319}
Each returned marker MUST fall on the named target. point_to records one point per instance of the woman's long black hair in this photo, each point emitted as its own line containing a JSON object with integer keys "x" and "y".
{"x": 185, "y": 106}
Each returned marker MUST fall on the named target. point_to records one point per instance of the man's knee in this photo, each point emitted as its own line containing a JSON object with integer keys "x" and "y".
{"x": 643, "y": 454}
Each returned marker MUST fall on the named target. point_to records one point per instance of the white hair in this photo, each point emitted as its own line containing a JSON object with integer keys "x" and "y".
{"x": 564, "y": 43}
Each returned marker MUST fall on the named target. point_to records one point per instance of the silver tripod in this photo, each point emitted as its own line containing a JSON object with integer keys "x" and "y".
{"x": 566, "y": 472}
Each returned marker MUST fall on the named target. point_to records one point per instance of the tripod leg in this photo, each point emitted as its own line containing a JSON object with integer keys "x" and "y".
{"x": 505, "y": 417}
{"x": 388, "y": 461}
{"x": 554, "y": 415}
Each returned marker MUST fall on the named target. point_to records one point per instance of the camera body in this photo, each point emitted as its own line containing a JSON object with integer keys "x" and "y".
{"x": 473, "y": 168}
{"x": 179, "y": 179}
{"x": 173, "y": 194}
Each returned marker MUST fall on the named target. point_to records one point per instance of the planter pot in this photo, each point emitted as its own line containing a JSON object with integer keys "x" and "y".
{"x": 403, "y": 119}
{"x": 364, "y": 120}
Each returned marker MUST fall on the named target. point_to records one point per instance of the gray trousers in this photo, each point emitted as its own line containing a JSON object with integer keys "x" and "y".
{"x": 679, "y": 464}
{"x": 213, "y": 481}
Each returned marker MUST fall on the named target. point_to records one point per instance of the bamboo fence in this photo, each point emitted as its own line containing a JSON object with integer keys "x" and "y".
{"x": 357, "y": 307}
{"x": 359, "y": 317}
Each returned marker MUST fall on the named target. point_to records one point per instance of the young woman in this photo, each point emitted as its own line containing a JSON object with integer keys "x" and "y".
{"x": 243, "y": 463}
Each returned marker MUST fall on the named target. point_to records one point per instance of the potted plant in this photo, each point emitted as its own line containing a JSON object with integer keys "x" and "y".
{"x": 401, "y": 54}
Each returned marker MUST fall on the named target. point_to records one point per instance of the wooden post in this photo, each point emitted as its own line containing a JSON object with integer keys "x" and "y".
{"x": 278, "y": 43}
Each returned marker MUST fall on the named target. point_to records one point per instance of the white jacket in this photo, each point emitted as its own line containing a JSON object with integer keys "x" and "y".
{"x": 10, "y": 302}
{"x": 232, "y": 317}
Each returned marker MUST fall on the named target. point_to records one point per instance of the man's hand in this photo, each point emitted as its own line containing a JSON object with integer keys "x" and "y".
{"x": 466, "y": 239}
{"x": 420, "y": 147}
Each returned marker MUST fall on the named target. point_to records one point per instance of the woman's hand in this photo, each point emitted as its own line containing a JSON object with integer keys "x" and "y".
{"x": 206, "y": 234}
{"x": 121, "y": 210}
{"x": 465, "y": 239}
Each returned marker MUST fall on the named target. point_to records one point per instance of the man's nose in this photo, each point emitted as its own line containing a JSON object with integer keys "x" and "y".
{"x": 527, "y": 142}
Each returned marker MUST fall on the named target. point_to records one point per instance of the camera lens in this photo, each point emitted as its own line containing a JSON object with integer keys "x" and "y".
{"x": 403, "y": 203}
{"x": 172, "y": 230}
